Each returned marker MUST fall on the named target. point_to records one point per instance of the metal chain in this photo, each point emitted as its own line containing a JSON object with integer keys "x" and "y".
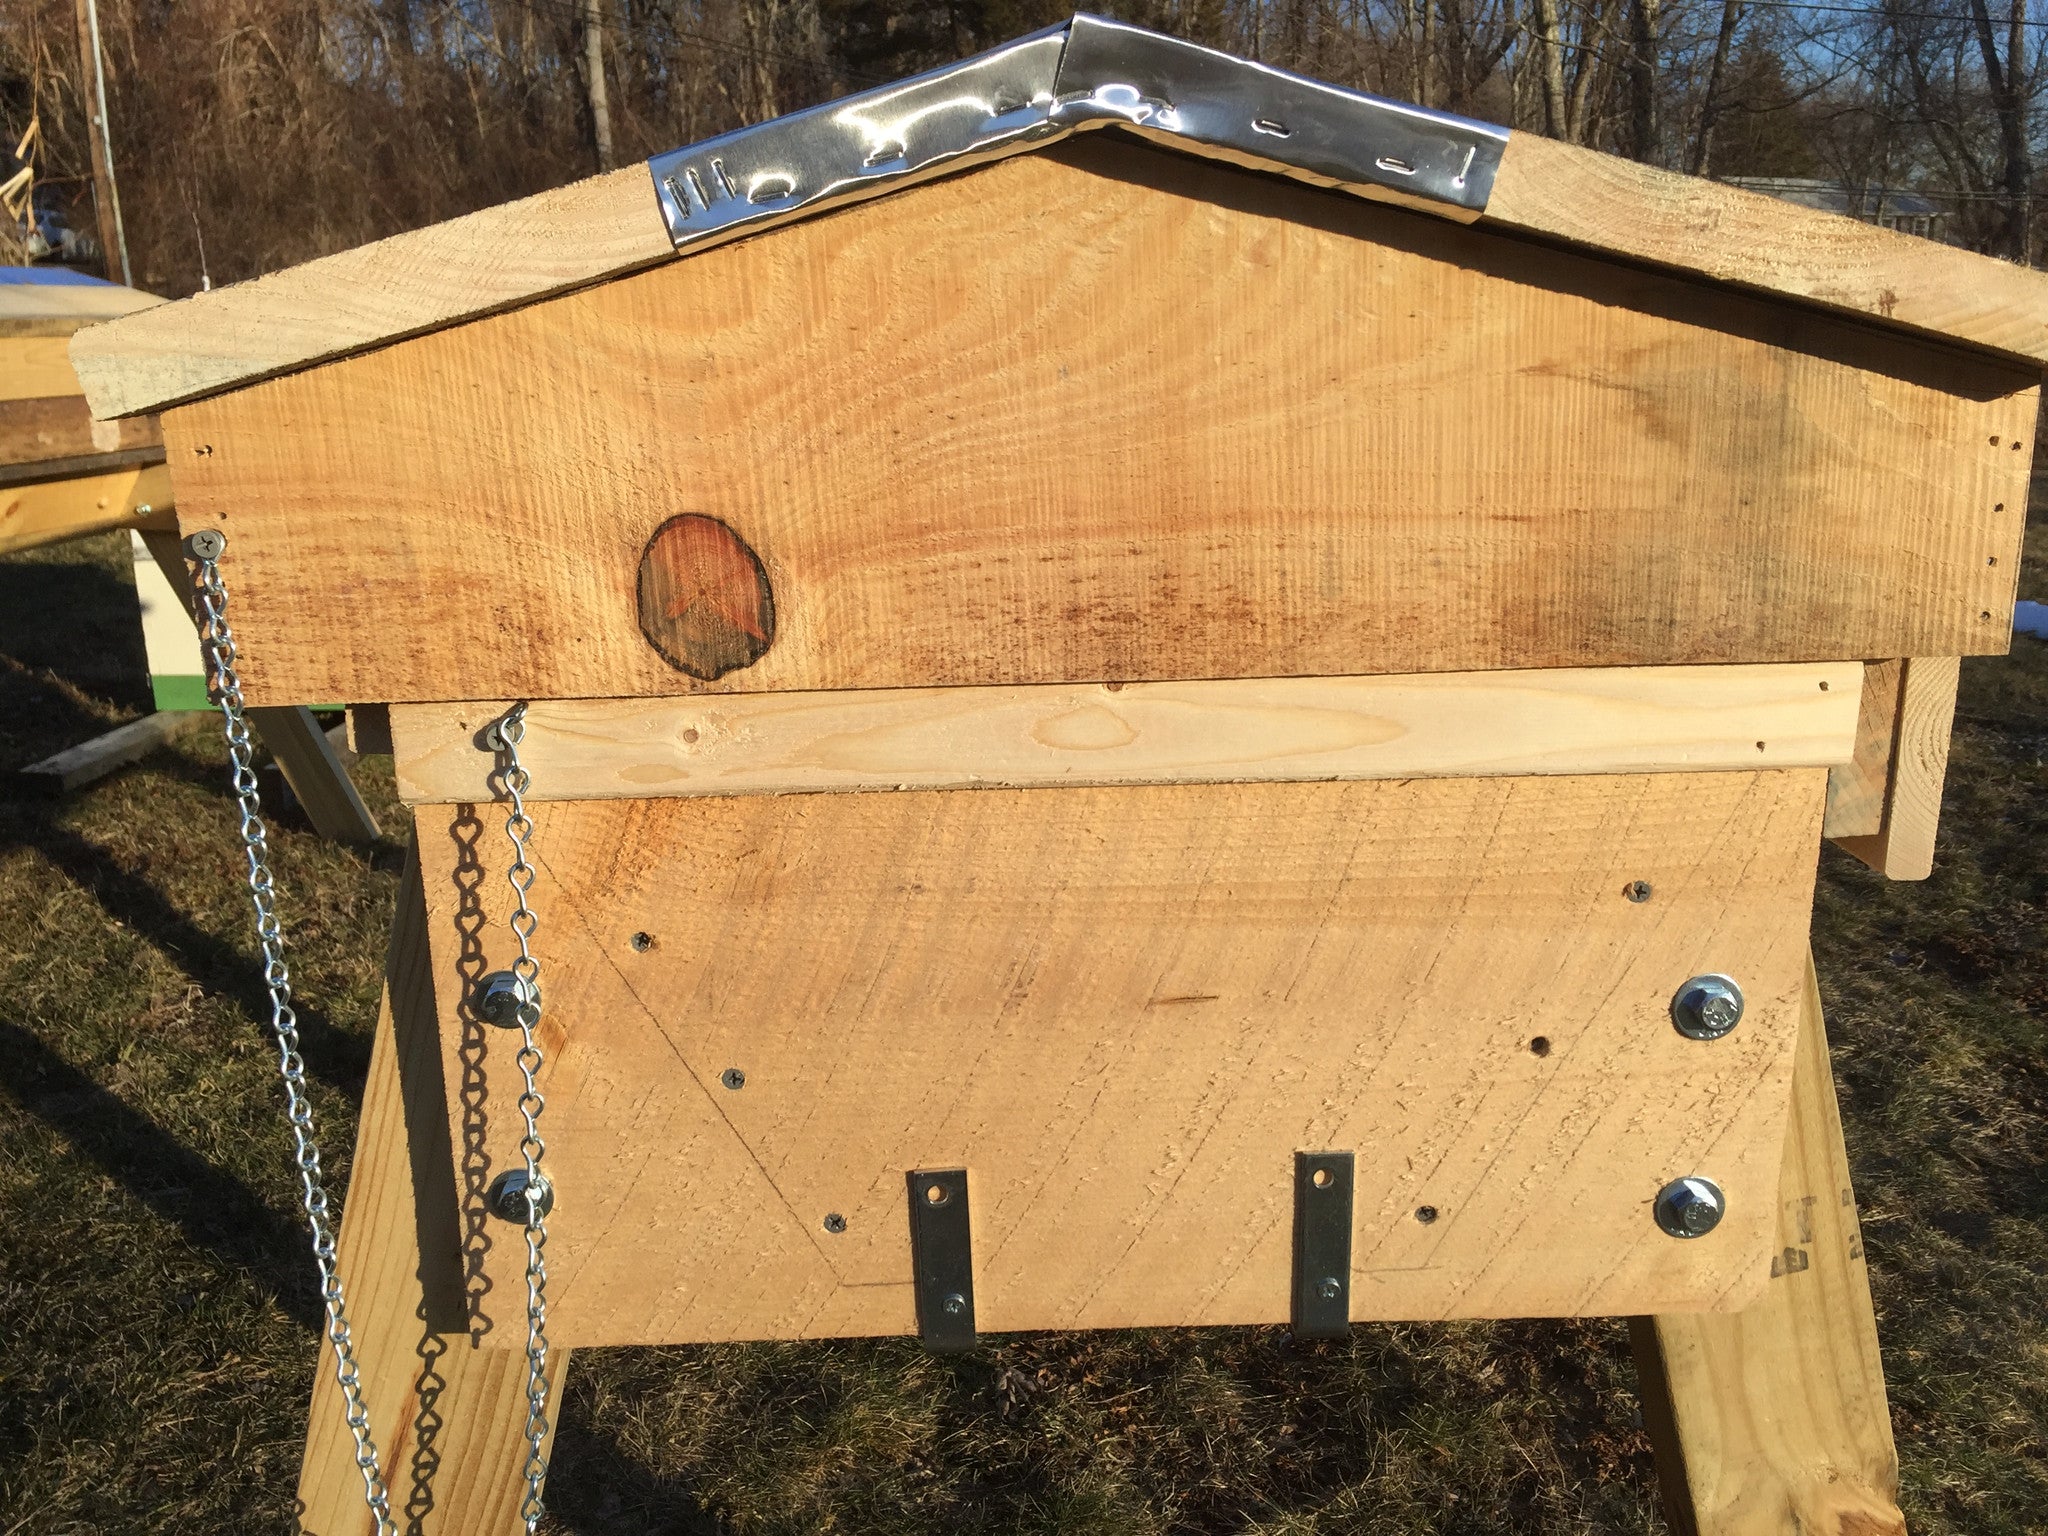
{"x": 505, "y": 736}
{"x": 218, "y": 642}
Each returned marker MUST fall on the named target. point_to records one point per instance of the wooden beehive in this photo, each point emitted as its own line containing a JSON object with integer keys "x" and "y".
{"x": 1111, "y": 668}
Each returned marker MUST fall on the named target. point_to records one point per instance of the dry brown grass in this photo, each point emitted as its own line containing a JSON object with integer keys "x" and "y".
{"x": 158, "y": 1320}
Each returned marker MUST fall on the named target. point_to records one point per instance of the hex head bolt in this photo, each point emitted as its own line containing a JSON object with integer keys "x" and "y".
{"x": 1690, "y": 1207}
{"x": 506, "y": 1198}
{"x": 503, "y": 997}
{"x": 1707, "y": 1007}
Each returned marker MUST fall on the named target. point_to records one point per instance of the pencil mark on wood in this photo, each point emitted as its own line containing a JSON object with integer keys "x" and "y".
{"x": 705, "y": 603}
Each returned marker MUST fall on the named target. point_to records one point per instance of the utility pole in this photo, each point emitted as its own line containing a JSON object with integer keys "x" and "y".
{"x": 593, "y": 81}
{"x": 93, "y": 92}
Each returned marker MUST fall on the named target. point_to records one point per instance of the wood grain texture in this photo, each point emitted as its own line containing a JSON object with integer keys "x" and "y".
{"x": 593, "y": 230}
{"x": 1772, "y": 1421}
{"x": 62, "y": 427}
{"x": 1856, "y": 789}
{"x": 498, "y": 257}
{"x": 1903, "y": 849}
{"x": 449, "y": 1418}
{"x": 1111, "y": 414}
{"x": 1614, "y": 720}
{"x": 1123, "y": 1011}
{"x": 47, "y": 511}
{"x": 1707, "y": 228}
{"x": 32, "y": 367}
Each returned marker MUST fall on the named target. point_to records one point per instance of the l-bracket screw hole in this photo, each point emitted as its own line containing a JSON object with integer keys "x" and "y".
{"x": 1320, "y": 1178}
{"x": 1540, "y": 1046}
{"x": 935, "y": 1194}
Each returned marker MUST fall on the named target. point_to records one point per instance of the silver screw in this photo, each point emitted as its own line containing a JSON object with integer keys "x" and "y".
{"x": 1329, "y": 1290}
{"x": 206, "y": 544}
{"x": 503, "y": 997}
{"x": 506, "y": 1197}
{"x": 733, "y": 1078}
{"x": 834, "y": 1222}
{"x": 1707, "y": 1007}
{"x": 1690, "y": 1207}
{"x": 954, "y": 1304}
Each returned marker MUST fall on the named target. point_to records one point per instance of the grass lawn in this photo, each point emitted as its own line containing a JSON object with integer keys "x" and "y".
{"x": 158, "y": 1317}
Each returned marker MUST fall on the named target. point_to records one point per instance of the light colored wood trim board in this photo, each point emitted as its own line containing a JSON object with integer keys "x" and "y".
{"x": 1773, "y": 1420}
{"x": 419, "y": 281}
{"x": 1764, "y": 244}
{"x": 1583, "y": 720}
{"x": 1904, "y": 848}
{"x": 1856, "y": 789}
{"x": 52, "y": 510}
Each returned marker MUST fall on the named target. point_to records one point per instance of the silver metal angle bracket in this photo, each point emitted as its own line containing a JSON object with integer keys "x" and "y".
{"x": 1090, "y": 73}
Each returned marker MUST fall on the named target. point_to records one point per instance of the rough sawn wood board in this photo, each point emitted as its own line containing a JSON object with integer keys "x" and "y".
{"x": 1123, "y": 1010}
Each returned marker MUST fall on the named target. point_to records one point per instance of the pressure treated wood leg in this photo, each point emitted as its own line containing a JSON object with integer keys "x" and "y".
{"x": 448, "y": 1418}
{"x": 1773, "y": 1420}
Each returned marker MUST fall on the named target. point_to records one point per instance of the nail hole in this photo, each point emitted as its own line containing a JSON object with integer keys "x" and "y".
{"x": 1992, "y": 561}
{"x": 203, "y": 450}
{"x": 935, "y": 1194}
{"x": 834, "y": 1222}
{"x": 1425, "y": 1214}
{"x": 642, "y": 942}
{"x": 1998, "y": 506}
{"x": 733, "y": 1078}
{"x": 1823, "y": 687}
{"x": 1637, "y": 890}
{"x": 2015, "y": 445}
{"x": 1985, "y": 615}
{"x": 1759, "y": 746}
{"x": 1540, "y": 1046}
{"x": 1113, "y": 687}
{"x": 1994, "y": 439}
{"x": 1320, "y": 1178}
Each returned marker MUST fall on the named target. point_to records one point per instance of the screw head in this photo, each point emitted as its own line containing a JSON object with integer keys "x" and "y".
{"x": 1638, "y": 890}
{"x": 506, "y": 1198}
{"x": 954, "y": 1304}
{"x": 642, "y": 942}
{"x": 834, "y": 1222}
{"x": 1707, "y": 1007}
{"x": 206, "y": 544}
{"x": 733, "y": 1078}
{"x": 507, "y": 999}
{"x": 1329, "y": 1289}
{"x": 1690, "y": 1207}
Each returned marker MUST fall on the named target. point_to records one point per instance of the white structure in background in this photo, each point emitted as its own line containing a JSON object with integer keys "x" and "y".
{"x": 177, "y": 672}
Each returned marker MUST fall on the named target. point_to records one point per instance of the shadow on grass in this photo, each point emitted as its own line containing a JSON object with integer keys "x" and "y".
{"x": 215, "y": 1210}
{"x": 339, "y": 1059}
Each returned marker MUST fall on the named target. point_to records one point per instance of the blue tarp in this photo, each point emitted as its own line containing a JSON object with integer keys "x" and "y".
{"x": 58, "y": 277}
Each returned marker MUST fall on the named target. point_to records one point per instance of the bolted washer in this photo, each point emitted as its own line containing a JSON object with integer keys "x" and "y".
{"x": 1690, "y": 1207}
{"x": 506, "y": 1198}
{"x": 503, "y": 996}
{"x": 1707, "y": 1007}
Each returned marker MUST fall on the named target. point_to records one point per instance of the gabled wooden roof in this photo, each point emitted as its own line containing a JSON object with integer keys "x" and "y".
{"x": 1088, "y": 74}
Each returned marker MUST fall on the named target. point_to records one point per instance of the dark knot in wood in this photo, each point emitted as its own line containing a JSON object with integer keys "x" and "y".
{"x": 705, "y": 602}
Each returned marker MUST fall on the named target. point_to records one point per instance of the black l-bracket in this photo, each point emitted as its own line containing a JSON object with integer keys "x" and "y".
{"x": 1322, "y": 1245}
{"x": 942, "y": 1259}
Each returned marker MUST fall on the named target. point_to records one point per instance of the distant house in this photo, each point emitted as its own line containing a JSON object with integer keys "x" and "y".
{"x": 1886, "y": 207}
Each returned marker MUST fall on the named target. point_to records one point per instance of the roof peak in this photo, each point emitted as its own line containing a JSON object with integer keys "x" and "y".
{"x": 1089, "y": 72}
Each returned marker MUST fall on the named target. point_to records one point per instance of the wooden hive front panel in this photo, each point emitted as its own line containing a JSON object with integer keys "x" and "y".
{"x": 1109, "y": 413}
{"x": 1124, "y": 1010}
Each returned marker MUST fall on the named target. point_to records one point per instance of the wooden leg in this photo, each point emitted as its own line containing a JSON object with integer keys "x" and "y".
{"x": 315, "y": 773}
{"x": 449, "y": 1419}
{"x": 1772, "y": 1421}
{"x": 293, "y": 736}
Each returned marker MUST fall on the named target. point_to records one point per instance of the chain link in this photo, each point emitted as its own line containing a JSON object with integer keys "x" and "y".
{"x": 505, "y": 736}
{"x": 217, "y": 640}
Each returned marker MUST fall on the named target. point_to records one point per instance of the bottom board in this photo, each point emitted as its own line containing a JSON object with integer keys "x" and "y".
{"x": 1123, "y": 1010}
